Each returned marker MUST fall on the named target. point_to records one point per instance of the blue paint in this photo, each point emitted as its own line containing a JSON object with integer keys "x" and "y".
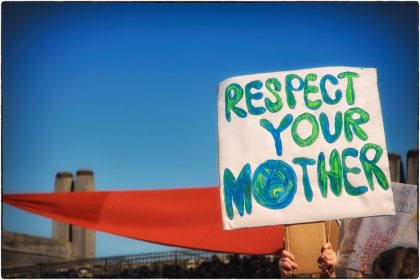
{"x": 350, "y": 94}
{"x": 338, "y": 94}
{"x": 289, "y": 88}
{"x": 232, "y": 99}
{"x": 370, "y": 167}
{"x": 303, "y": 162}
{"x": 276, "y": 106}
{"x": 238, "y": 190}
{"x": 335, "y": 175}
{"x": 284, "y": 123}
{"x": 325, "y": 127}
{"x": 350, "y": 189}
{"x": 353, "y": 124}
{"x": 274, "y": 184}
{"x": 253, "y": 96}
{"x": 310, "y": 89}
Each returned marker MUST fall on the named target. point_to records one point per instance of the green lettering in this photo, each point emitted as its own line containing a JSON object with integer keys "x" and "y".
{"x": 291, "y": 101}
{"x": 284, "y": 123}
{"x": 238, "y": 190}
{"x": 314, "y": 134}
{"x": 325, "y": 127}
{"x": 308, "y": 89}
{"x": 370, "y": 167}
{"x": 334, "y": 175}
{"x": 250, "y": 96}
{"x": 324, "y": 93}
{"x": 232, "y": 99}
{"x": 303, "y": 162}
{"x": 273, "y": 86}
{"x": 350, "y": 96}
{"x": 350, "y": 189}
{"x": 352, "y": 124}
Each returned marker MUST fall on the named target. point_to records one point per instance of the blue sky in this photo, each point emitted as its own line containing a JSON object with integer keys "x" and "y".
{"x": 128, "y": 90}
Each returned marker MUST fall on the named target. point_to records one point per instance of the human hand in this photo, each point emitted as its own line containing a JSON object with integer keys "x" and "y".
{"x": 286, "y": 264}
{"x": 328, "y": 260}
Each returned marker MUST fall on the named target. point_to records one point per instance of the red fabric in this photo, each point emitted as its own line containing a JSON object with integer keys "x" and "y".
{"x": 189, "y": 218}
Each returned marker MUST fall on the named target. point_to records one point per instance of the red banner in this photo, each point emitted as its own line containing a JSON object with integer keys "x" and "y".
{"x": 190, "y": 218}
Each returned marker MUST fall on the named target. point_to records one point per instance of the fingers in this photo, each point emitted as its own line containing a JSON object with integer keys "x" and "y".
{"x": 287, "y": 260}
{"x": 286, "y": 263}
{"x": 328, "y": 256}
{"x": 286, "y": 268}
{"x": 287, "y": 254}
{"x": 327, "y": 259}
{"x": 327, "y": 246}
{"x": 324, "y": 267}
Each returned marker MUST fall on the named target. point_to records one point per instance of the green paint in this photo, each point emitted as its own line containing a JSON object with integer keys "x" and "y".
{"x": 325, "y": 127}
{"x": 237, "y": 190}
{"x": 303, "y": 162}
{"x": 274, "y": 184}
{"x": 334, "y": 175}
{"x": 350, "y": 189}
{"x": 291, "y": 101}
{"x": 274, "y": 87}
{"x": 284, "y": 123}
{"x": 370, "y": 167}
{"x": 350, "y": 95}
{"x": 324, "y": 93}
{"x": 352, "y": 124}
{"x": 314, "y": 134}
{"x": 253, "y": 96}
{"x": 232, "y": 99}
{"x": 308, "y": 89}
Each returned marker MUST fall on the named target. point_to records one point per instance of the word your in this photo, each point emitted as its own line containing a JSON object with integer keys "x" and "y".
{"x": 351, "y": 123}
{"x": 274, "y": 183}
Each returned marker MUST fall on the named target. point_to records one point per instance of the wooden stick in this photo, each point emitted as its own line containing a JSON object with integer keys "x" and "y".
{"x": 329, "y": 231}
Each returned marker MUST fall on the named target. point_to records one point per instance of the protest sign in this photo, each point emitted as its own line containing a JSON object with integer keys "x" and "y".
{"x": 302, "y": 146}
{"x": 365, "y": 238}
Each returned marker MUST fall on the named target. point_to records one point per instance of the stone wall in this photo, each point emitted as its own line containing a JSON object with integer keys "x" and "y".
{"x": 412, "y": 168}
{"x": 25, "y": 250}
{"x": 68, "y": 242}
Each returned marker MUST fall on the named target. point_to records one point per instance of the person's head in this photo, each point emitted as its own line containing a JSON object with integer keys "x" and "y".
{"x": 398, "y": 262}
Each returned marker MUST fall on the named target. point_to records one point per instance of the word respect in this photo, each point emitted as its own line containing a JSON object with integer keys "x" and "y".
{"x": 234, "y": 93}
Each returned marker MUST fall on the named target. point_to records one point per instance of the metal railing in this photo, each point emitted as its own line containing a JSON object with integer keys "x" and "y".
{"x": 171, "y": 264}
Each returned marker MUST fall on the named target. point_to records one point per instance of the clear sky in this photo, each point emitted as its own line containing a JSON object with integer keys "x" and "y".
{"x": 128, "y": 90}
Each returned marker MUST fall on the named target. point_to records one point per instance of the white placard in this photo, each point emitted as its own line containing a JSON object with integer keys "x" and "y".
{"x": 302, "y": 146}
{"x": 365, "y": 238}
